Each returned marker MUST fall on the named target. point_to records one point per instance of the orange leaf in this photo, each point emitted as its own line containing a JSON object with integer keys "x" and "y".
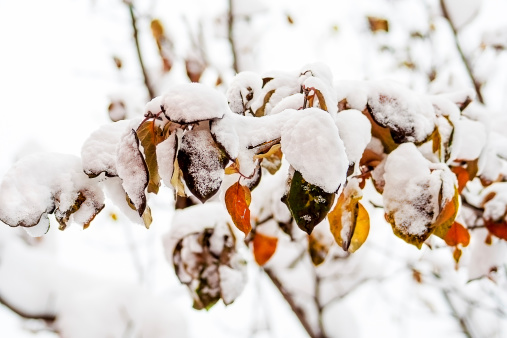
{"x": 497, "y": 229}
{"x": 456, "y": 254}
{"x": 463, "y": 177}
{"x": 457, "y": 234}
{"x": 237, "y": 200}
{"x": 263, "y": 247}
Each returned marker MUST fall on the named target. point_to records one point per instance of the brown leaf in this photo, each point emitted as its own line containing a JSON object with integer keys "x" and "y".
{"x": 457, "y": 254}
{"x": 272, "y": 160}
{"x": 317, "y": 248}
{"x": 237, "y": 200}
{"x": 261, "y": 111}
{"x": 457, "y": 234}
{"x": 263, "y": 247}
{"x": 150, "y": 135}
{"x": 378, "y": 24}
{"x": 322, "y": 101}
{"x": 498, "y": 229}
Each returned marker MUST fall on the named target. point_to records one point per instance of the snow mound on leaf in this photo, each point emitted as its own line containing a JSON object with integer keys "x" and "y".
{"x": 191, "y": 102}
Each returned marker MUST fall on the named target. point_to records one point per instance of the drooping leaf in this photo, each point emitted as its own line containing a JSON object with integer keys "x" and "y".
{"x": 457, "y": 234}
{"x": 202, "y": 163}
{"x": 318, "y": 247}
{"x": 147, "y": 219}
{"x": 457, "y": 254}
{"x": 133, "y": 171}
{"x": 150, "y": 135}
{"x": 308, "y": 203}
{"x": 177, "y": 180}
{"x": 445, "y": 219}
{"x": 462, "y": 176}
{"x": 263, "y": 247}
{"x": 349, "y": 221}
{"x": 237, "y": 200}
{"x": 322, "y": 101}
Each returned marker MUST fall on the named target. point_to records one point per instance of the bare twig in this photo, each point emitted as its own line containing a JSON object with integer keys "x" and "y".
{"x": 48, "y": 318}
{"x": 230, "y": 25}
{"x": 466, "y": 62}
{"x": 133, "y": 19}
{"x": 298, "y": 311}
{"x": 462, "y": 321}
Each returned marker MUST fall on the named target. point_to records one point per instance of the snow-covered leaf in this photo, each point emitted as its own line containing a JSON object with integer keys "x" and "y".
{"x": 150, "y": 135}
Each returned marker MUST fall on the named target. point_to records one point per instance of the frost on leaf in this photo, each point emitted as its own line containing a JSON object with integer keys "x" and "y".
{"x": 132, "y": 169}
{"x": 237, "y": 201}
{"x": 202, "y": 162}
{"x": 419, "y": 196}
{"x": 166, "y": 156}
{"x": 308, "y": 203}
{"x": 202, "y": 249}
{"x": 41, "y": 184}
{"x": 349, "y": 221}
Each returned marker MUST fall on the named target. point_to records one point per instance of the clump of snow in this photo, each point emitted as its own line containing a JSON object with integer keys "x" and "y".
{"x": 294, "y": 101}
{"x": 243, "y": 90}
{"x": 192, "y": 102}
{"x": 314, "y": 83}
{"x": 42, "y": 183}
{"x": 412, "y": 189}
{"x": 98, "y": 152}
{"x": 355, "y": 131}
{"x": 469, "y": 139}
{"x": 318, "y": 70}
{"x": 312, "y": 145}
{"x": 409, "y": 115}
{"x": 354, "y": 92}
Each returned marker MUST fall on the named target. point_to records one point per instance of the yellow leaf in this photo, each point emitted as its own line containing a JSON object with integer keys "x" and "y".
{"x": 263, "y": 247}
{"x": 150, "y": 135}
{"x": 349, "y": 221}
{"x": 177, "y": 180}
{"x": 237, "y": 200}
{"x": 322, "y": 101}
{"x": 378, "y": 24}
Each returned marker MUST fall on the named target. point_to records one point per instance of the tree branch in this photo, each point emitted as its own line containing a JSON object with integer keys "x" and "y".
{"x": 48, "y": 318}
{"x": 298, "y": 311}
{"x": 230, "y": 25}
{"x": 466, "y": 62}
{"x": 462, "y": 321}
{"x": 133, "y": 18}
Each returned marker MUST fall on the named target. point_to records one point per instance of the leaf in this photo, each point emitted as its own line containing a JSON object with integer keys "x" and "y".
{"x": 447, "y": 215}
{"x": 318, "y": 248}
{"x": 349, "y": 222}
{"x": 498, "y": 229}
{"x": 133, "y": 171}
{"x": 322, "y": 101}
{"x": 202, "y": 163}
{"x": 263, "y": 247}
{"x": 378, "y": 24}
{"x": 380, "y": 132}
{"x": 261, "y": 111}
{"x": 462, "y": 176}
{"x": 177, "y": 180}
{"x": 272, "y": 160}
{"x": 237, "y": 200}
{"x": 147, "y": 219}
{"x": 457, "y": 254}
{"x": 457, "y": 234}
{"x": 308, "y": 203}
{"x": 150, "y": 135}
{"x": 63, "y": 216}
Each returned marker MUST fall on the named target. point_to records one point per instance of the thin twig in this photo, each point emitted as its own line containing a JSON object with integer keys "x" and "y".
{"x": 133, "y": 19}
{"x": 298, "y": 311}
{"x": 477, "y": 84}
{"x": 230, "y": 25}
{"x": 48, "y": 318}
{"x": 462, "y": 321}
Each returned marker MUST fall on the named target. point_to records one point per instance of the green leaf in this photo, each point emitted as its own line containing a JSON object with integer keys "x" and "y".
{"x": 307, "y": 203}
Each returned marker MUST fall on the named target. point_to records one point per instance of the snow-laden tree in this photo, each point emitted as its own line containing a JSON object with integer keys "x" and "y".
{"x": 293, "y": 168}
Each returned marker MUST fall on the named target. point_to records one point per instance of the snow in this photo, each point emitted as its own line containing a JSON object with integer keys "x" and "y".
{"x": 192, "y": 102}
{"x": 41, "y": 182}
{"x": 312, "y": 145}
{"x": 417, "y": 208}
{"x": 355, "y": 131}
{"x": 98, "y": 152}
{"x": 166, "y": 155}
{"x": 470, "y": 139}
{"x": 132, "y": 169}
{"x": 401, "y": 110}
{"x": 242, "y": 85}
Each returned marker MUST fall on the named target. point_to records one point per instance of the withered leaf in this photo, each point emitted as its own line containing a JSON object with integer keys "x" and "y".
{"x": 150, "y": 135}
{"x": 378, "y": 24}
